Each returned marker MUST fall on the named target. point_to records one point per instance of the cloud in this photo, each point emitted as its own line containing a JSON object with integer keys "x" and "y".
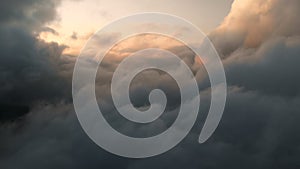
{"x": 74, "y": 36}
{"x": 271, "y": 69}
{"x": 32, "y": 72}
{"x": 28, "y": 14}
{"x": 252, "y": 22}
{"x": 30, "y": 68}
{"x": 259, "y": 44}
{"x": 50, "y": 30}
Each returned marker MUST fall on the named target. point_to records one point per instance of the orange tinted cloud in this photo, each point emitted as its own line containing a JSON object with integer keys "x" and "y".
{"x": 252, "y": 22}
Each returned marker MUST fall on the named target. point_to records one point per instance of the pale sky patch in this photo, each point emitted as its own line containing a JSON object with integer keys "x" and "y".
{"x": 87, "y": 16}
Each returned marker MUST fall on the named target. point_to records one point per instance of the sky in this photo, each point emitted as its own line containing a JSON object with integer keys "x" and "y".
{"x": 91, "y": 15}
{"x": 258, "y": 42}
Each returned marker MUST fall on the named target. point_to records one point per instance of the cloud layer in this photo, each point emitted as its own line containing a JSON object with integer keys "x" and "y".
{"x": 259, "y": 42}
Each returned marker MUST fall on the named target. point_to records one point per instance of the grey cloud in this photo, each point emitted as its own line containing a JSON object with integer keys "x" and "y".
{"x": 30, "y": 68}
{"x": 256, "y": 135}
{"x": 275, "y": 68}
{"x": 50, "y": 30}
{"x": 27, "y": 14}
{"x": 74, "y": 36}
{"x": 249, "y": 136}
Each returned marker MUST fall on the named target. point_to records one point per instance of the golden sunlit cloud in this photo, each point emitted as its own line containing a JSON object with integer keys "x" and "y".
{"x": 87, "y": 16}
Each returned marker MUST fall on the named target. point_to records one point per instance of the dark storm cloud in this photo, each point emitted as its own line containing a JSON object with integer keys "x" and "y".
{"x": 29, "y": 68}
{"x": 27, "y": 14}
{"x": 32, "y": 72}
{"x": 272, "y": 69}
{"x": 256, "y": 131}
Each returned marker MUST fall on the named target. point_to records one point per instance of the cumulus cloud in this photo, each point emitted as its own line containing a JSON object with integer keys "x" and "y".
{"x": 250, "y": 23}
{"x": 30, "y": 68}
{"x": 272, "y": 68}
